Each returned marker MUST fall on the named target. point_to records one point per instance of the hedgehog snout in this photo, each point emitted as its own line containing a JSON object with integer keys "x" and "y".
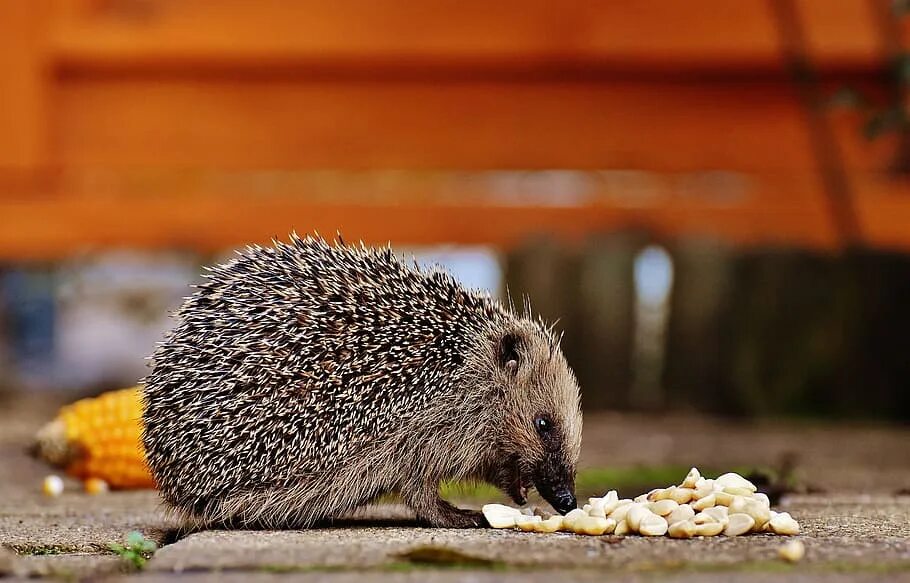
{"x": 555, "y": 482}
{"x": 560, "y": 497}
{"x": 564, "y": 501}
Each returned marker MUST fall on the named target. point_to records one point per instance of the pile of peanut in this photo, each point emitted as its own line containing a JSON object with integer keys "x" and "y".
{"x": 728, "y": 505}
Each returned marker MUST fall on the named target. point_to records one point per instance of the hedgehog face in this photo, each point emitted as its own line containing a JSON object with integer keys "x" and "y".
{"x": 540, "y": 439}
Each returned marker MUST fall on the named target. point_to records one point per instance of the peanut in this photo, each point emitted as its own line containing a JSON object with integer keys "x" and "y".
{"x": 691, "y": 478}
{"x": 682, "y": 512}
{"x": 653, "y": 525}
{"x": 706, "y": 502}
{"x": 792, "y": 551}
{"x": 591, "y": 525}
{"x": 739, "y": 524}
{"x": 663, "y": 507}
{"x": 709, "y": 529}
{"x": 699, "y": 506}
{"x": 734, "y": 480}
{"x": 682, "y": 529}
{"x": 551, "y": 524}
{"x": 527, "y": 523}
{"x": 500, "y": 516}
{"x": 622, "y": 528}
{"x": 636, "y": 514}
{"x": 784, "y": 524}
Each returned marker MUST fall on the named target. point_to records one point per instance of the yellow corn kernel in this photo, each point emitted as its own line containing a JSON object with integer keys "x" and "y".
{"x": 52, "y": 486}
{"x": 99, "y": 438}
{"x": 95, "y": 486}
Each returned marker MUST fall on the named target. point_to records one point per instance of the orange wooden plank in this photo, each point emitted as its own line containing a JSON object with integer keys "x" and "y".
{"x": 23, "y": 86}
{"x": 226, "y": 122}
{"x": 147, "y": 224}
{"x": 883, "y": 208}
{"x": 663, "y": 33}
{"x": 212, "y": 211}
{"x": 842, "y": 33}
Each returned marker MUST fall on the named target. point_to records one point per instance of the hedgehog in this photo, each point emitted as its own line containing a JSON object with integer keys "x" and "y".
{"x": 305, "y": 379}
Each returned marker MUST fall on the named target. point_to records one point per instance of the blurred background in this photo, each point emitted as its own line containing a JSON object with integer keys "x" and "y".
{"x": 712, "y": 197}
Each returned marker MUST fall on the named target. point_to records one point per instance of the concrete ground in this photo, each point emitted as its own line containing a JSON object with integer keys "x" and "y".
{"x": 856, "y": 523}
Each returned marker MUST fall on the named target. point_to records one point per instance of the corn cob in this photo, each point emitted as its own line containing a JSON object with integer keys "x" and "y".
{"x": 99, "y": 438}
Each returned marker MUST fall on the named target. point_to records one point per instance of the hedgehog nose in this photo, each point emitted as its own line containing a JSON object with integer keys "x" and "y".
{"x": 564, "y": 501}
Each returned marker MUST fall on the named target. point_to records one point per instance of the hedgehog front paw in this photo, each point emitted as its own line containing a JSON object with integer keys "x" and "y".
{"x": 473, "y": 519}
{"x": 453, "y": 517}
{"x": 441, "y": 514}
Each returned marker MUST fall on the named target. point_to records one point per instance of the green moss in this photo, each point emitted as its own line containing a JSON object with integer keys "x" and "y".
{"x": 282, "y": 569}
{"x": 44, "y": 550}
{"x": 628, "y": 481}
{"x": 470, "y": 491}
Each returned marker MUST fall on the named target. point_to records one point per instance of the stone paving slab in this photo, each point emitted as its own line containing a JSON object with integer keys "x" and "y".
{"x": 69, "y": 567}
{"x": 8, "y": 562}
{"x": 75, "y": 522}
{"x": 795, "y": 574}
{"x": 865, "y": 533}
{"x": 848, "y": 536}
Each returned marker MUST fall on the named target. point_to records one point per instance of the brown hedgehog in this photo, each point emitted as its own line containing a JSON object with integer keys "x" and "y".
{"x": 306, "y": 379}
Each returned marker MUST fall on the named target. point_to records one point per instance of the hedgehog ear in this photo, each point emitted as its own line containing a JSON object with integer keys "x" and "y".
{"x": 508, "y": 352}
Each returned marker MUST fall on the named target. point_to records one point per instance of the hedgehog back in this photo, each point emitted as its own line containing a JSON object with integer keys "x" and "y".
{"x": 291, "y": 359}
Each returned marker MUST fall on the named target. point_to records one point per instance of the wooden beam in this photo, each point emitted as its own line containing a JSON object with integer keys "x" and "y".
{"x": 661, "y": 33}
{"x": 658, "y": 35}
{"x": 235, "y": 122}
{"x": 212, "y": 212}
{"x": 841, "y": 34}
{"x": 23, "y": 86}
{"x": 883, "y": 207}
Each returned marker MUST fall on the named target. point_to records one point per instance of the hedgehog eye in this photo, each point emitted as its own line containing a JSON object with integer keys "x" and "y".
{"x": 508, "y": 352}
{"x": 543, "y": 424}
